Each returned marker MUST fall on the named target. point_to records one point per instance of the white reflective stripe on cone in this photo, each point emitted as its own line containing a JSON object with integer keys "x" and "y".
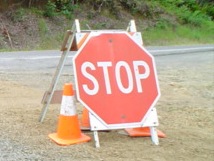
{"x": 67, "y": 106}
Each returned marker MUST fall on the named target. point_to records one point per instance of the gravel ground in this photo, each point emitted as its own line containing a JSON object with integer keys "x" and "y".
{"x": 185, "y": 110}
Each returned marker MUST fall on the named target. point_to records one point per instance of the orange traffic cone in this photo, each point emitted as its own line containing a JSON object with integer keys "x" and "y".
{"x": 68, "y": 130}
{"x": 84, "y": 122}
{"x": 143, "y": 131}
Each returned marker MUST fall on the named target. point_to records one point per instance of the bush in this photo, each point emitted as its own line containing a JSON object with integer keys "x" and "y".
{"x": 43, "y": 29}
{"x": 19, "y": 15}
{"x": 67, "y": 9}
{"x": 188, "y": 12}
{"x": 50, "y": 9}
{"x": 196, "y": 18}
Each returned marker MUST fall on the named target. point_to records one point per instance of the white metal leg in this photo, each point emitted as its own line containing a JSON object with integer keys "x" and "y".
{"x": 96, "y": 139}
{"x": 69, "y": 38}
{"x": 154, "y": 135}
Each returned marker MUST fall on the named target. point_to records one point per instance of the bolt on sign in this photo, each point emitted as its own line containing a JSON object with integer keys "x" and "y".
{"x": 116, "y": 79}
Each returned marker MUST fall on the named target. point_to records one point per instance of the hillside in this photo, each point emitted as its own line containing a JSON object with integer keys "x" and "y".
{"x": 161, "y": 22}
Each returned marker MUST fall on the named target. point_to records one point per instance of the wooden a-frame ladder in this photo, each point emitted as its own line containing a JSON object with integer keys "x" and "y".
{"x": 66, "y": 47}
{"x": 69, "y": 39}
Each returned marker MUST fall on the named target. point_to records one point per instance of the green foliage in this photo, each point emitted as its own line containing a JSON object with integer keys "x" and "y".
{"x": 68, "y": 9}
{"x": 36, "y": 11}
{"x": 144, "y": 8}
{"x": 194, "y": 12}
{"x": 100, "y": 5}
{"x": 163, "y": 23}
{"x": 43, "y": 28}
{"x": 50, "y": 9}
{"x": 100, "y": 25}
{"x": 177, "y": 36}
{"x": 173, "y": 21}
{"x": 188, "y": 11}
{"x": 60, "y": 7}
{"x": 209, "y": 9}
{"x": 135, "y": 7}
{"x": 19, "y": 15}
{"x": 91, "y": 14}
{"x": 196, "y": 18}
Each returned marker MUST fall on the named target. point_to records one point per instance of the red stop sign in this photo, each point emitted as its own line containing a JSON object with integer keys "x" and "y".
{"x": 115, "y": 78}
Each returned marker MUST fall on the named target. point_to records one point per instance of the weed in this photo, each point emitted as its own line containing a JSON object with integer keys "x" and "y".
{"x": 36, "y": 11}
{"x": 68, "y": 9}
{"x": 43, "y": 29}
{"x": 188, "y": 12}
{"x": 162, "y": 23}
{"x": 196, "y": 18}
{"x": 50, "y": 9}
{"x": 91, "y": 14}
{"x": 100, "y": 25}
{"x": 2, "y": 40}
{"x": 178, "y": 36}
{"x": 52, "y": 42}
{"x": 19, "y": 15}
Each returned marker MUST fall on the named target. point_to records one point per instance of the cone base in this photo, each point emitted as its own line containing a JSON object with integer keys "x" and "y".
{"x": 143, "y": 131}
{"x": 59, "y": 141}
{"x": 84, "y": 121}
{"x": 85, "y": 128}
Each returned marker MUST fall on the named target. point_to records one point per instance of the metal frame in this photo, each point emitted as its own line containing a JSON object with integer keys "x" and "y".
{"x": 66, "y": 46}
{"x": 151, "y": 119}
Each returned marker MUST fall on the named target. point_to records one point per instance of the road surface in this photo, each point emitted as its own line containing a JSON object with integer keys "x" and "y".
{"x": 46, "y": 61}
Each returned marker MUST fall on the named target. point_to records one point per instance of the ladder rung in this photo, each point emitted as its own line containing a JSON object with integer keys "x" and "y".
{"x": 65, "y": 41}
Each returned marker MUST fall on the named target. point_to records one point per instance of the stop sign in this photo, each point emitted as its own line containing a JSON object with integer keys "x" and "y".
{"x": 115, "y": 78}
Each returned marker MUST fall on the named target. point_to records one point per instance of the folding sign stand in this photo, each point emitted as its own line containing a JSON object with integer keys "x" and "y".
{"x": 76, "y": 36}
{"x": 151, "y": 121}
{"x": 66, "y": 46}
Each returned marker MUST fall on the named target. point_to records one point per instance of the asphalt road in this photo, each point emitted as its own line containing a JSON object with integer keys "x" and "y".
{"x": 46, "y": 61}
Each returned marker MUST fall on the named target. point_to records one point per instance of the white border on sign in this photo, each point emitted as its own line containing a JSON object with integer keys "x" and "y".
{"x": 94, "y": 118}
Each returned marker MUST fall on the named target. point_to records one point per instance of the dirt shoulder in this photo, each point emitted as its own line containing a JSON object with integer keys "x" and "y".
{"x": 185, "y": 114}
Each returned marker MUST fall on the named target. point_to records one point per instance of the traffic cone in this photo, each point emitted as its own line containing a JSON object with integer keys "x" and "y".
{"x": 143, "y": 131}
{"x": 84, "y": 122}
{"x": 68, "y": 130}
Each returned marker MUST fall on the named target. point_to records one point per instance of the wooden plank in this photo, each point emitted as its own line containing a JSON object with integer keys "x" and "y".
{"x": 56, "y": 99}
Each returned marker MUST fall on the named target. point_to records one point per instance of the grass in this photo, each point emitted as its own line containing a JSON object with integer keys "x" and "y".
{"x": 163, "y": 33}
{"x": 52, "y": 42}
{"x": 47, "y": 39}
{"x": 178, "y": 36}
{"x": 43, "y": 28}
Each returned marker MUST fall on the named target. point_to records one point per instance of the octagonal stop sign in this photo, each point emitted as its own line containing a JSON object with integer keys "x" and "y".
{"x": 115, "y": 79}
